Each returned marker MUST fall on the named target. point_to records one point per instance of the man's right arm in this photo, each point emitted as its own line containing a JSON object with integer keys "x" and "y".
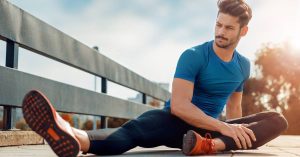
{"x": 182, "y": 107}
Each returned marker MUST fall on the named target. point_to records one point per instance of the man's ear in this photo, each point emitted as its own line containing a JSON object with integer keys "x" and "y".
{"x": 244, "y": 30}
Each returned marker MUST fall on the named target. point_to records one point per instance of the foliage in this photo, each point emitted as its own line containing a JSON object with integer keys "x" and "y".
{"x": 276, "y": 85}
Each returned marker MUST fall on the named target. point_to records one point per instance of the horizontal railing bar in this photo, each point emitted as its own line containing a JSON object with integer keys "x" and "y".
{"x": 65, "y": 98}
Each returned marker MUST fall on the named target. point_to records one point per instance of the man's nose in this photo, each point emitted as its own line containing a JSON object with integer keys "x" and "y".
{"x": 221, "y": 31}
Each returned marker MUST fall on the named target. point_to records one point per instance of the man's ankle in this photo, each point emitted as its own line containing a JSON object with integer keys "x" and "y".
{"x": 219, "y": 144}
{"x": 83, "y": 139}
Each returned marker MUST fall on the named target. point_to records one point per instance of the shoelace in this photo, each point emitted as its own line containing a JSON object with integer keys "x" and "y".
{"x": 208, "y": 145}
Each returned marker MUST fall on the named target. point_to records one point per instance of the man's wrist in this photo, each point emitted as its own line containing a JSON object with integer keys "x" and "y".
{"x": 220, "y": 125}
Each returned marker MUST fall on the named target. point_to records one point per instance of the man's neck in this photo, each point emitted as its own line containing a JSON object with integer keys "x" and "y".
{"x": 224, "y": 54}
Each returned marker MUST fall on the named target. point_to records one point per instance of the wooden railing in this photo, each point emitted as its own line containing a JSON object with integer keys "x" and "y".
{"x": 20, "y": 29}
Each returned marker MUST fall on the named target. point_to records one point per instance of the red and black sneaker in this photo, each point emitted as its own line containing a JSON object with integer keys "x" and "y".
{"x": 195, "y": 144}
{"x": 42, "y": 118}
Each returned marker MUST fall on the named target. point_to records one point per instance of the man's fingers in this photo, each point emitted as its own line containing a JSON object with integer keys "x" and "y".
{"x": 247, "y": 138}
{"x": 237, "y": 141}
{"x": 245, "y": 125}
{"x": 241, "y": 137}
{"x": 251, "y": 133}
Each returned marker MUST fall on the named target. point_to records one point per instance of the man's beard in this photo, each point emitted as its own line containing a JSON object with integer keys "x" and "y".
{"x": 228, "y": 43}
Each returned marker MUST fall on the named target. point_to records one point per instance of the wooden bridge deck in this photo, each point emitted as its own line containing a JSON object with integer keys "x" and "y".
{"x": 285, "y": 146}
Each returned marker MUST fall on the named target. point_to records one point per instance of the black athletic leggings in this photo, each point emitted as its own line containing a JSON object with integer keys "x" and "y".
{"x": 160, "y": 127}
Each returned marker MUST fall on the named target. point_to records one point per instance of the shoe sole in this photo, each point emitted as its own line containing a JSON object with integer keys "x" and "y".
{"x": 40, "y": 116}
{"x": 189, "y": 142}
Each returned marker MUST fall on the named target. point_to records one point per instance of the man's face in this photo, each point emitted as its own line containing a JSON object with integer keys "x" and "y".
{"x": 227, "y": 30}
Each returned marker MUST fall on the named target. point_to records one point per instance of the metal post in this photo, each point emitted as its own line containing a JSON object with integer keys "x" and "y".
{"x": 103, "y": 90}
{"x": 103, "y": 85}
{"x": 7, "y": 118}
{"x": 12, "y": 53}
{"x": 95, "y": 88}
{"x": 144, "y": 98}
{"x": 95, "y": 83}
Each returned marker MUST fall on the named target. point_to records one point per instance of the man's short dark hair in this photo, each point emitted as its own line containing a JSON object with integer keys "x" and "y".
{"x": 236, "y": 8}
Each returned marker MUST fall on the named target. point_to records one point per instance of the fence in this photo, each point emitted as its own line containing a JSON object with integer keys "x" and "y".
{"x": 22, "y": 30}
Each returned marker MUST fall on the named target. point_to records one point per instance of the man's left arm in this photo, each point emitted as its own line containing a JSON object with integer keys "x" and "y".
{"x": 234, "y": 106}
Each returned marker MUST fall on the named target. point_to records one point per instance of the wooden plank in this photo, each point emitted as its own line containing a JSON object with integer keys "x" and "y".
{"x": 14, "y": 138}
{"x": 285, "y": 141}
{"x": 66, "y": 98}
{"x": 44, "y": 150}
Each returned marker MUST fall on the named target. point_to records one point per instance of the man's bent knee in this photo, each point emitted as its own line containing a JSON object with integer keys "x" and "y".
{"x": 282, "y": 122}
{"x": 278, "y": 119}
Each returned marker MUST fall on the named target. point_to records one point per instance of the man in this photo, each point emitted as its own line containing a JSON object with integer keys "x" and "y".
{"x": 207, "y": 77}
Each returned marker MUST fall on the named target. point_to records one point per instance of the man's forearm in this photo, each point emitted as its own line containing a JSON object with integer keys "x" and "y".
{"x": 196, "y": 117}
{"x": 233, "y": 112}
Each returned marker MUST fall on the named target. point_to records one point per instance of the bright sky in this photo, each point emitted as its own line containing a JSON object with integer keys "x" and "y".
{"x": 148, "y": 36}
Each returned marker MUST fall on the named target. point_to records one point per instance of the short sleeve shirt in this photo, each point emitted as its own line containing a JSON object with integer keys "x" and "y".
{"x": 214, "y": 79}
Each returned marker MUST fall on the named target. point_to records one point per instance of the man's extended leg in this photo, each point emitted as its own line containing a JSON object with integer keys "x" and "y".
{"x": 151, "y": 129}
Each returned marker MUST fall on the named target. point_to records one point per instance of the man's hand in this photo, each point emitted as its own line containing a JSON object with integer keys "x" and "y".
{"x": 240, "y": 133}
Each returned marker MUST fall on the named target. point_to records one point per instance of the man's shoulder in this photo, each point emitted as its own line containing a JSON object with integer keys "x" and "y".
{"x": 244, "y": 60}
{"x": 201, "y": 47}
{"x": 245, "y": 64}
{"x": 199, "y": 50}
{"x": 196, "y": 56}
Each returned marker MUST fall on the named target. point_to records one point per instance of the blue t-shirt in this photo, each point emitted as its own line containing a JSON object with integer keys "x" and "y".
{"x": 214, "y": 80}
